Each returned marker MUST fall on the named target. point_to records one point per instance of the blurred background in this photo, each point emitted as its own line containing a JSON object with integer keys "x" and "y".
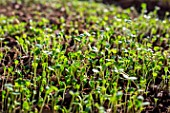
{"x": 163, "y": 5}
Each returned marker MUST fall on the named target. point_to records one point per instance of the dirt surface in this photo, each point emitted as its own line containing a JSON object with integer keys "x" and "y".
{"x": 26, "y": 13}
{"x": 164, "y": 5}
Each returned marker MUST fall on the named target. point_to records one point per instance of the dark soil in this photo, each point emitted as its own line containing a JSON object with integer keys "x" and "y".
{"x": 26, "y": 13}
{"x": 151, "y": 4}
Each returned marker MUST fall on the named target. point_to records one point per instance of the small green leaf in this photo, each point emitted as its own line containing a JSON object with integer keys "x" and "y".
{"x": 95, "y": 70}
{"x": 154, "y": 74}
{"x": 145, "y": 103}
{"x": 26, "y": 105}
{"x": 140, "y": 97}
{"x": 132, "y": 78}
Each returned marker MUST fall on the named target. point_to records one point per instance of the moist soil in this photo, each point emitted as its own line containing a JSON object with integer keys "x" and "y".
{"x": 25, "y": 13}
{"x": 164, "y": 5}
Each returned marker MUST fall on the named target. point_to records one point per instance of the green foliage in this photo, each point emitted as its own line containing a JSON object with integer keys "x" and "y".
{"x": 108, "y": 63}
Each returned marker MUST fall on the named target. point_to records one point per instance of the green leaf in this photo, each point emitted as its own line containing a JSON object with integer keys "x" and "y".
{"x": 126, "y": 76}
{"x": 95, "y": 70}
{"x": 140, "y": 97}
{"x": 154, "y": 74}
{"x": 26, "y": 105}
{"x": 9, "y": 86}
{"x": 132, "y": 78}
{"x": 145, "y": 103}
{"x": 16, "y": 93}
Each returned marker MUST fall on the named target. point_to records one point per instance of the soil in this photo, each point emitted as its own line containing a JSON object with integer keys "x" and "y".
{"x": 164, "y": 5}
{"x": 26, "y": 13}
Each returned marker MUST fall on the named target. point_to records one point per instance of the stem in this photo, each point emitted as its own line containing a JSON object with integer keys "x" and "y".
{"x": 125, "y": 110}
{"x": 43, "y": 103}
{"x": 72, "y": 100}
